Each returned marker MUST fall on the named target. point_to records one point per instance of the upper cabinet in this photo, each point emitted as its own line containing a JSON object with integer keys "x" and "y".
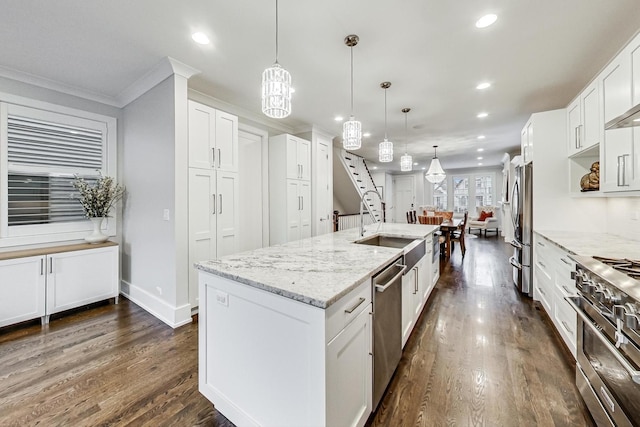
{"x": 527, "y": 142}
{"x": 213, "y": 138}
{"x": 617, "y": 171}
{"x": 298, "y": 154}
{"x": 584, "y": 121}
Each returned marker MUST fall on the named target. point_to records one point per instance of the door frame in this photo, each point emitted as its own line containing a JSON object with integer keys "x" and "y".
{"x": 410, "y": 178}
{"x": 264, "y": 143}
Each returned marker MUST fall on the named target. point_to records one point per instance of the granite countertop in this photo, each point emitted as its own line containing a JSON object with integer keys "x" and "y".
{"x": 316, "y": 271}
{"x": 593, "y": 244}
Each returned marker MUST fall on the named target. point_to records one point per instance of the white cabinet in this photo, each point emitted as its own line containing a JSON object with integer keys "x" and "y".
{"x": 349, "y": 368}
{"x": 56, "y": 280}
{"x": 526, "y": 140}
{"x": 213, "y": 138}
{"x": 417, "y": 285}
{"x": 213, "y": 219}
{"x": 289, "y": 188}
{"x": 584, "y": 122}
{"x": 552, "y": 284}
{"x": 213, "y": 187}
{"x": 270, "y": 360}
{"x": 616, "y": 173}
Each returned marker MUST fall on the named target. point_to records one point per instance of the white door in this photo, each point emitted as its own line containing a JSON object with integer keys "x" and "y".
{"x": 22, "y": 288}
{"x": 304, "y": 192}
{"x": 202, "y": 224}
{"x": 404, "y": 197}
{"x": 324, "y": 203}
{"x": 226, "y": 141}
{"x": 201, "y": 135}
{"x": 227, "y": 213}
{"x": 250, "y": 196}
{"x": 304, "y": 159}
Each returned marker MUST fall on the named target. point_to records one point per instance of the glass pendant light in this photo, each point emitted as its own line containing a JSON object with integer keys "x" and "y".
{"x": 406, "y": 161}
{"x": 435, "y": 174}
{"x": 385, "y": 148}
{"x": 351, "y": 129}
{"x": 276, "y": 87}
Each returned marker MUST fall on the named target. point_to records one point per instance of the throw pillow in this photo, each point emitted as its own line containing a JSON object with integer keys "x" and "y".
{"x": 484, "y": 215}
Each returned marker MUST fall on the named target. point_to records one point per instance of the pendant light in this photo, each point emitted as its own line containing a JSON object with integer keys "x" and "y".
{"x": 385, "y": 148}
{"x": 276, "y": 87}
{"x": 406, "y": 161}
{"x": 351, "y": 129}
{"x": 435, "y": 174}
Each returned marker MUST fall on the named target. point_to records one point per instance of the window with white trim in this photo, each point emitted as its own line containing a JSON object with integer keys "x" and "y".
{"x": 41, "y": 152}
{"x": 484, "y": 190}
{"x": 460, "y": 194}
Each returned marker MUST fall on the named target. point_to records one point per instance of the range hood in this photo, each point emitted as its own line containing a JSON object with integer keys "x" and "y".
{"x": 629, "y": 118}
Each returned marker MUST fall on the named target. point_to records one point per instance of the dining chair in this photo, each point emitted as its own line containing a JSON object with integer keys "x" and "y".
{"x": 458, "y": 235}
{"x": 411, "y": 217}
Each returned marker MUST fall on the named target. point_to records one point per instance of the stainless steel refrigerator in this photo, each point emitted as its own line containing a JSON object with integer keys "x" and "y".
{"x": 522, "y": 217}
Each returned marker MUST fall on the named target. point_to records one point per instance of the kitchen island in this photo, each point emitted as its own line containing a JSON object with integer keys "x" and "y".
{"x": 285, "y": 331}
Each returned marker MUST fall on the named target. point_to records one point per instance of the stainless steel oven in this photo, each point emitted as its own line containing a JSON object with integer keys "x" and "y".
{"x": 608, "y": 345}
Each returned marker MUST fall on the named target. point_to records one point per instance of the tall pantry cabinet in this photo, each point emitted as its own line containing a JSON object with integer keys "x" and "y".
{"x": 213, "y": 188}
{"x": 289, "y": 188}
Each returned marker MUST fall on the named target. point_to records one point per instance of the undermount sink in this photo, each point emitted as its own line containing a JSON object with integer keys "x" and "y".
{"x": 386, "y": 241}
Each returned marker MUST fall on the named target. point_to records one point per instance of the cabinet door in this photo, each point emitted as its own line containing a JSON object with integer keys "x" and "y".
{"x": 226, "y": 141}
{"x": 81, "y": 277}
{"x": 349, "y": 378}
{"x": 592, "y": 124}
{"x": 635, "y": 64}
{"x": 293, "y": 165}
{"x": 304, "y": 191}
{"x": 294, "y": 205}
{"x": 202, "y": 223}
{"x": 304, "y": 159}
{"x": 425, "y": 277}
{"x": 408, "y": 298}
{"x": 227, "y": 213}
{"x": 202, "y": 134}
{"x": 22, "y": 287}
{"x": 574, "y": 118}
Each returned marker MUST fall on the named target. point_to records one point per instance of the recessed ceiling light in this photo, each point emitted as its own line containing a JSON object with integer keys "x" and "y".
{"x": 415, "y": 164}
{"x": 366, "y": 134}
{"x": 483, "y": 85}
{"x": 486, "y": 20}
{"x": 200, "y": 38}
{"x": 480, "y": 149}
{"x": 636, "y": 120}
{"x": 375, "y": 167}
{"x": 481, "y": 137}
{"x": 482, "y": 115}
{"x": 479, "y": 163}
{"x": 338, "y": 118}
{"x": 424, "y": 168}
{"x": 479, "y": 158}
{"x": 292, "y": 89}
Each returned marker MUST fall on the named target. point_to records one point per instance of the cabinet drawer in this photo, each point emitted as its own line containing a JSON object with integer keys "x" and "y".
{"x": 542, "y": 288}
{"x": 341, "y": 313}
{"x": 565, "y": 319}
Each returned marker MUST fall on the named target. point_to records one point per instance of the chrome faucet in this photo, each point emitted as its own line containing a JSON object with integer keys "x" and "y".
{"x": 362, "y": 201}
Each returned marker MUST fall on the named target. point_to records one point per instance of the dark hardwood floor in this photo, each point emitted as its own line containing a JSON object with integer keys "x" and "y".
{"x": 481, "y": 355}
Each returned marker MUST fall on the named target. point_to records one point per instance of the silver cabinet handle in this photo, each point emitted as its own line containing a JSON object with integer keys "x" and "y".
{"x": 542, "y": 291}
{"x": 415, "y": 285}
{"x": 567, "y": 290}
{"x": 622, "y": 170}
{"x": 219, "y": 158}
{"x": 356, "y": 305}
{"x": 213, "y": 157}
{"x": 565, "y": 261}
{"x": 635, "y": 375}
{"x": 577, "y": 136}
{"x": 220, "y": 212}
{"x": 302, "y": 203}
{"x": 41, "y": 266}
{"x": 214, "y": 204}
{"x": 542, "y": 264}
{"x": 50, "y": 265}
{"x": 541, "y": 244}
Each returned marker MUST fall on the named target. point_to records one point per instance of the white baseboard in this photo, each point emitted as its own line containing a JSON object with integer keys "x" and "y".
{"x": 172, "y": 316}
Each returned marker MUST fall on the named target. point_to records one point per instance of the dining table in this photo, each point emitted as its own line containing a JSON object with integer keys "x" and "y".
{"x": 447, "y": 228}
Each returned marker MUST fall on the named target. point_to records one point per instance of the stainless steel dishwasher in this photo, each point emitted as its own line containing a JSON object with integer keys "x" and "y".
{"x": 387, "y": 326}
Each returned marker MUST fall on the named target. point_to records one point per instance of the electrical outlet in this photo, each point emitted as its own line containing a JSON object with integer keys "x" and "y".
{"x": 165, "y": 215}
{"x": 222, "y": 298}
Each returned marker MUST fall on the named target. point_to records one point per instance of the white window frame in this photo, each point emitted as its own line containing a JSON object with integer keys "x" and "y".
{"x": 469, "y": 179}
{"x": 55, "y": 232}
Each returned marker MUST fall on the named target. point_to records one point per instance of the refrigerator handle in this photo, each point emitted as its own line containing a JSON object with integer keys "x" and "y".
{"x": 516, "y": 244}
{"x": 514, "y": 204}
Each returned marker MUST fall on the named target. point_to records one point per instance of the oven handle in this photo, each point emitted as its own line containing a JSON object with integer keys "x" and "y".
{"x": 515, "y": 263}
{"x": 635, "y": 375}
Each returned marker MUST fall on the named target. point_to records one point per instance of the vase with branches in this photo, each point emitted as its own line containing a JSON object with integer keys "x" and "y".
{"x": 97, "y": 199}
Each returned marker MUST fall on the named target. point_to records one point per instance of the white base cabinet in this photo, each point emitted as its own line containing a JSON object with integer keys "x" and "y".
{"x": 552, "y": 284}
{"x": 41, "y": 285}
{"x": 266, "y": 360}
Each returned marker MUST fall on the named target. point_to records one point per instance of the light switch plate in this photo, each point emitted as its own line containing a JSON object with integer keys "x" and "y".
{"x": 222, "y": 298}
{"x": 165, "y": 215}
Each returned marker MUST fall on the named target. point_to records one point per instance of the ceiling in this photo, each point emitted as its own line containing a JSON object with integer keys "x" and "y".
{"x": 538, "y": 56}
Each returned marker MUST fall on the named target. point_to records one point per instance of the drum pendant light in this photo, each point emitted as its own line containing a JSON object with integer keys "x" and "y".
{"x": 435, "y": 174}
{"x": 276, "y": 87}
{"x": 406, "y": 161}
{"x": 385, "y": 148}
{"x": 351, "y": 129}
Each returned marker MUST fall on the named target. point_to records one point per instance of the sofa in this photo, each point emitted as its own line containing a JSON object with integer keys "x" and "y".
{"x": 486, "y": 218}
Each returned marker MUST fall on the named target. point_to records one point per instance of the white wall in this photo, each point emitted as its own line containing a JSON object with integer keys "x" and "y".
{"x": 620, "y": 212}
{"x": 154, "y": 263}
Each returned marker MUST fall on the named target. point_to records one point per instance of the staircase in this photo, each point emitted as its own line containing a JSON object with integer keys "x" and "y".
{"x": 358, "y": 171}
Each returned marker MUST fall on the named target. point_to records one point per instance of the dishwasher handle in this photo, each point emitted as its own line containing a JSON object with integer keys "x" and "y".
{"x": 382, "y": 288}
